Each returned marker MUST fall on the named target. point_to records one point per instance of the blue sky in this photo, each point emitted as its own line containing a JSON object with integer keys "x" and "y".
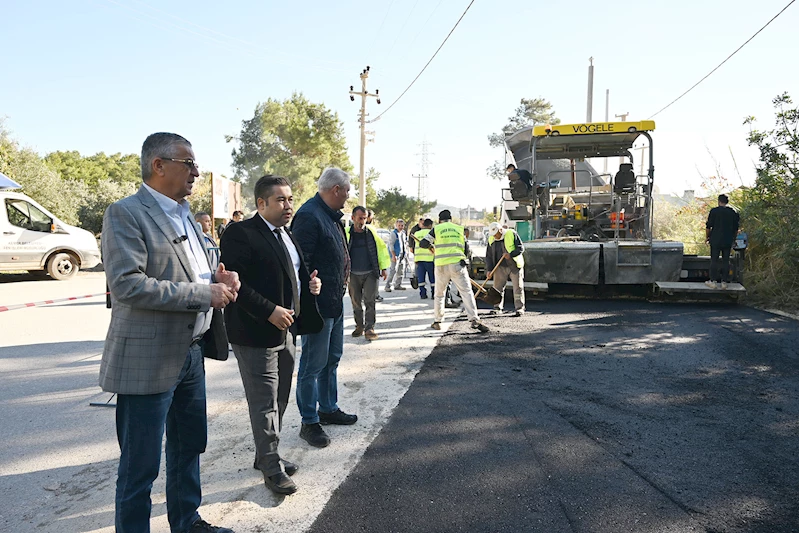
{"x": 100, "y": 75}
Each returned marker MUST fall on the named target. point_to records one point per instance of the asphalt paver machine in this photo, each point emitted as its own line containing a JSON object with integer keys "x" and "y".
{"x": 582, "y": 227}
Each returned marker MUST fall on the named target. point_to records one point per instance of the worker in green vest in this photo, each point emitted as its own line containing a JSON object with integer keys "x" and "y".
{"x": 369, "y": 260}
{"x": 450, "y": 264}
{"x": 424, "y": 259}
{"x": 505, "y": 247}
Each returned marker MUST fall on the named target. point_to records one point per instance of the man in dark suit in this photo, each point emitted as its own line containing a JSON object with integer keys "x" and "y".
{"x": 165, "y": 316}
{"x": 276, "y": 302}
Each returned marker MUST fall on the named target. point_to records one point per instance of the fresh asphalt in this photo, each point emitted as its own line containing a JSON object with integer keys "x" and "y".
{"x": 591, "y": 416}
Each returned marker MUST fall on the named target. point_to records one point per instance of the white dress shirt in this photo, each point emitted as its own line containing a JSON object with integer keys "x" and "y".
{"x": 179, "y": 215}
{"x": 295, "y": 256}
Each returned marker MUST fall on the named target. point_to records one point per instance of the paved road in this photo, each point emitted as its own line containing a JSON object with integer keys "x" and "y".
{"x": 58, "y": 455}
{"x": 597, "y": 417}
{"x": 608, "y": 417}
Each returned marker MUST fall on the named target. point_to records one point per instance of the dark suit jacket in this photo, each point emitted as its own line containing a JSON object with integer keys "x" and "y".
{"x": 250, "y": 248}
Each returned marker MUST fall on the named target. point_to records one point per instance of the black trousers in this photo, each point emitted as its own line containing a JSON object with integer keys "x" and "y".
{"x": 720, "y": 270}
{"x": 266, "y": 374}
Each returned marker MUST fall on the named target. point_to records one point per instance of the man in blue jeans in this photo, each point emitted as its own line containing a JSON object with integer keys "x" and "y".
{"x": 318, "y": 230}
{"x": 165, "y": 316}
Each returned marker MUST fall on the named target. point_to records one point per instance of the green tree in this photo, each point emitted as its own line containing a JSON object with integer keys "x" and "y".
{"x": 99, "y": 197}
{"x": 770, "y": 208}
{"x": 391, "y": 204}
{"x": 200, "y": 198}
{"x": 372, "y": 176}
{"x": 104, "y": 179}
{"x": 91, "y": 170}
{"x": 294, "y": 138}
{"x": 529, "y": 113}
{"x": 685, "y": 224}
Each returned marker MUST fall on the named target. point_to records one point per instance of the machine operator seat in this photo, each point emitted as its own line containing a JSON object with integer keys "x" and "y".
{"x": 624, "y": 182}
{"x": 520, "y": 185}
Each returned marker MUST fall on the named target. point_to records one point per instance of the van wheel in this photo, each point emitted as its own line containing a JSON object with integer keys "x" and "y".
{"x": 62, "y": 266}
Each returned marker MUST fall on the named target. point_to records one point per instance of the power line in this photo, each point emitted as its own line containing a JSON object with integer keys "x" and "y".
{"x": 401, "y": 29}
{"x": 728, "y": 58}
{"x": 427, "y": 64}
{"x": 425, "y": 23}
{"x": 421, "y": 29}
{"x": 377, "y": 34}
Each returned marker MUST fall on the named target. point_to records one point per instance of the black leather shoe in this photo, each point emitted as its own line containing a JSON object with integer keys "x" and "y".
{"x": 280, "y": 483}
{"x": 337, "y": 417}
{"x": 288, "y": 466}
{"x": 201, "y": 526}
{"x": 314, "y": 435}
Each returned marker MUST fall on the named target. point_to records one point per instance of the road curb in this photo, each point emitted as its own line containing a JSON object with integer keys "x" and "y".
{"x": 777, "y": 312}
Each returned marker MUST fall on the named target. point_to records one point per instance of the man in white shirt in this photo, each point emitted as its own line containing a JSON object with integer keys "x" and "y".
{"x": 164, "y": 318}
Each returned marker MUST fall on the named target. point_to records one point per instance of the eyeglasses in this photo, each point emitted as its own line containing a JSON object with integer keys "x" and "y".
{"x": 191, "y": 163}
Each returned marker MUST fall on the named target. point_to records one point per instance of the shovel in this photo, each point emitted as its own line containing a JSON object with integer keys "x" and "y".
{"x": 490, "y": 296}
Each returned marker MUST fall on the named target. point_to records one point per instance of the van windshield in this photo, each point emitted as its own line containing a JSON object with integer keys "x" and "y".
{"x": 27, "y": 216}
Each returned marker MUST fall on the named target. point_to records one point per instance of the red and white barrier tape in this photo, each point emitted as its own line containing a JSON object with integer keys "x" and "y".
{"x": 47, "y": 302}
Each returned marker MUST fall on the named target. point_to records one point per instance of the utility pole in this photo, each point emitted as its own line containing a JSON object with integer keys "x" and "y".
{"x": 363, "y": 93}
{"x": 213, "y": 222}
{"x": 607, "y": 108}
{"x": 643, "y": 147}
{"x": 421, "y": 187}
{"x": 590, "y": 109}
{"x": 623, "y": 118}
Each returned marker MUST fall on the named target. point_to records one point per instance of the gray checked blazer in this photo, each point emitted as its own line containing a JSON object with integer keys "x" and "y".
{"x": 155, "y": 299}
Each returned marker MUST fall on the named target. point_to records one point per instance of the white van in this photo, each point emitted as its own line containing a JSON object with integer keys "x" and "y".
{"x": 33, "y": 239}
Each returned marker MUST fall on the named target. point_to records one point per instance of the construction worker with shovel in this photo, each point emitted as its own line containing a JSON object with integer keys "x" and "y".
{"x": 505, "y": 259}
{"x": 450, "y": 264}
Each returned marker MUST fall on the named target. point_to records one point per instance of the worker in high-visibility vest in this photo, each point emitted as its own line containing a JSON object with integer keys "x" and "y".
{"x": 449, "y": 244}
{"x": 424, "y": 259}
{"x": 369, "y": 260}
{"x": 505, "y": 247}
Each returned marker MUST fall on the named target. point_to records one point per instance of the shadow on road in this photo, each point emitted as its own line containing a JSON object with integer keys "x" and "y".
{"x": 597, "y": 416}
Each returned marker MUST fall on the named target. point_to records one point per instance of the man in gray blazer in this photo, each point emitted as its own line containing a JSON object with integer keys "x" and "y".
{"x": 165, "y": 316}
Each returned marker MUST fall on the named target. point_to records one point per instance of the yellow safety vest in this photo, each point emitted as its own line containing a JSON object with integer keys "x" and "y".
{"x": 450, "y": 244}
{"x": 422, "y": 254}
{"x": 510, "y": 246}
{"x": 383, "y": 258}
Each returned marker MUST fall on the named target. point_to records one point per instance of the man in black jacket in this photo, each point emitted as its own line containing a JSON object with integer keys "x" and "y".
{"x": 318, "y": 229}
{"x": 720, "y": 231}
{"x": 416, "y": 227}
{"x": 369, "y": 256}
{"x": 277, "y": 302}
{"x": 521, "y": 174}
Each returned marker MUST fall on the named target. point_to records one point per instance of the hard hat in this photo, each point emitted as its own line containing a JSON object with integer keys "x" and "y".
{"x": 495, "y": 227}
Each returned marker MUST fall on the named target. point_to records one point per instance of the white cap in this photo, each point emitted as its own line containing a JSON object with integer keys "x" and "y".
{"x": 495, "y": 227}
